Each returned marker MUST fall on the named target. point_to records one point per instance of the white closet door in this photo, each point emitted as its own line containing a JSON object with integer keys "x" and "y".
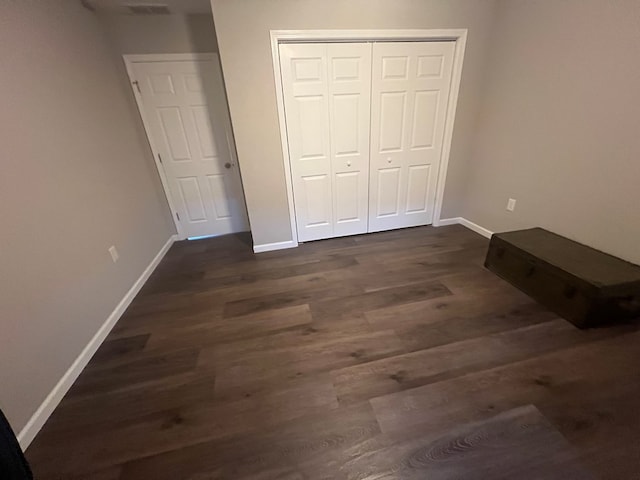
{"x": 326, "y": 95}
{"x": 349, "y": 114}
{"x": 410, "y": 92}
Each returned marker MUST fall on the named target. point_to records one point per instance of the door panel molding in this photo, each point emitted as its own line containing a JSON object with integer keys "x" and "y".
{"x": 427, "y": 68}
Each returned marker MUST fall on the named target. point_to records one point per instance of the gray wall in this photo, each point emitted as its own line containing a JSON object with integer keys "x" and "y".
{"x": 74, "y": 182}
{"x": 160, "y": 33}
{"x": 559, "y": 126}
{"x": 243, "y": 37}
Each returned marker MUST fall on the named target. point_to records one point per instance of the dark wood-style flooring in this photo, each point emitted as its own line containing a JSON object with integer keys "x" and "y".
{"x": 394, "y": 355}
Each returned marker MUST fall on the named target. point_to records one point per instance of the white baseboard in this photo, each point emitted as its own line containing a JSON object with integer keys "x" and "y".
{"x": 38, "y": 419}
{"x": 467, "y": 223}
{"x": 475, "y": 227}
{"x": 267, "y": 247}
{"x": 443, "y": 222}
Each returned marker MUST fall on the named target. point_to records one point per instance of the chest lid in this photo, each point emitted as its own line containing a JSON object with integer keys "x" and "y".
{"x": 591, "y": 265}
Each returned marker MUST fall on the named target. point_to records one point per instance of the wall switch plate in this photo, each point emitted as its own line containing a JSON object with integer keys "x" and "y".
{"x": 114, "y": 253}
{"x": 511, "y": 204}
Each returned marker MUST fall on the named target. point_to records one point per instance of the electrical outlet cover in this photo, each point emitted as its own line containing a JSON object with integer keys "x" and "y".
{"x": 114, "y": 253}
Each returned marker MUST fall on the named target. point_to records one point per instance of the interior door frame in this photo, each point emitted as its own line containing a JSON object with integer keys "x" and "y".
{"x": 459, "y": 36}
{"x": 129, "y": 61}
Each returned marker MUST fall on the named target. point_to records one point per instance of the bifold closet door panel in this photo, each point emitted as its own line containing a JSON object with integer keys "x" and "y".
{"x": 349, "y": 115}
{"x": 327, "y": 98}
{"x": 410, "y": 93}
{"x": 306, "y": 101}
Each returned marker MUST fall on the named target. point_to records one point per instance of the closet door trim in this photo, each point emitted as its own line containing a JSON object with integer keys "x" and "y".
{"x": 459, "y": 36}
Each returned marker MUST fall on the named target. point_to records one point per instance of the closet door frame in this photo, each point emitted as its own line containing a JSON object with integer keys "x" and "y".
{"x": 459, "y": 36}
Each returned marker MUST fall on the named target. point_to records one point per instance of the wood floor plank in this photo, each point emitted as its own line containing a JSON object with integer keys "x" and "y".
{"x": 519, "y": 443}
{"x": 267, "y": 271}
{"x": 416, "y": 254}
{"x": 377, "y": 299}
{"x": 427, "y": 311}
{"x": 149, "y": 323}
{"x": 288, "y": 298}
{"x": 99, "y": 378}
{"x": 554, "y": 380}
{"x": 407, "y": 371}
{"x": 306, "y": 357}
{"x": 120, "y": 346}
{"x": 314, "y": 333}
{"x": 187, "y": 425}
{"x": 376, "y": 277}
{"x": 224, "y": 294}
{"x": 77, "y": 414}
{"x": 281, "y": 450}
{"x": 436, "y": 331}
{"x": 258, "y": 273}
{"x": 257, "y": 325}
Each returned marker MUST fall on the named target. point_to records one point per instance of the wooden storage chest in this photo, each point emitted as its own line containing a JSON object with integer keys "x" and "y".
{"x": 579, "y": 283}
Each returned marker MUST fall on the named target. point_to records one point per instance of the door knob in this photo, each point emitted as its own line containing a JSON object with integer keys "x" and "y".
{"x": 388, "y": 159}
{"x": 227, "y": 165}
{"x": 348, "y": 163}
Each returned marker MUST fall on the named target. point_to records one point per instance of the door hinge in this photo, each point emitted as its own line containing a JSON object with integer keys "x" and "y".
{"x": 178, "y": 216}
{"x": 159, "y": 158}
{"x": 137, "y": 84}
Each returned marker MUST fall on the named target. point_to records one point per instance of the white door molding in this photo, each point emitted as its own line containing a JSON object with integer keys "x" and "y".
{"x": 459, "y": 36}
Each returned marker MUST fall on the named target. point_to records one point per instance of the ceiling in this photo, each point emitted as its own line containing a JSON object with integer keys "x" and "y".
{"x": 175, "y": 6}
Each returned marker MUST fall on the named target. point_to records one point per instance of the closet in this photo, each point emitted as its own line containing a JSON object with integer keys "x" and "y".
{"x": 365, "y": 126}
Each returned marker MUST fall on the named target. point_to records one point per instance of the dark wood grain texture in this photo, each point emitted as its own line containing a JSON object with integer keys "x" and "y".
{"x": 579, "y": 283}
{"x": 517, "y": 444}
{"x": 394, "y": 355}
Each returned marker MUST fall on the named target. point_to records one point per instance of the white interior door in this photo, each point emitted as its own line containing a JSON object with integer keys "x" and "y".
{"x": 327, "y": 103}
{"x": 186, "y": 115}
{"x": 410, "y": 92}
